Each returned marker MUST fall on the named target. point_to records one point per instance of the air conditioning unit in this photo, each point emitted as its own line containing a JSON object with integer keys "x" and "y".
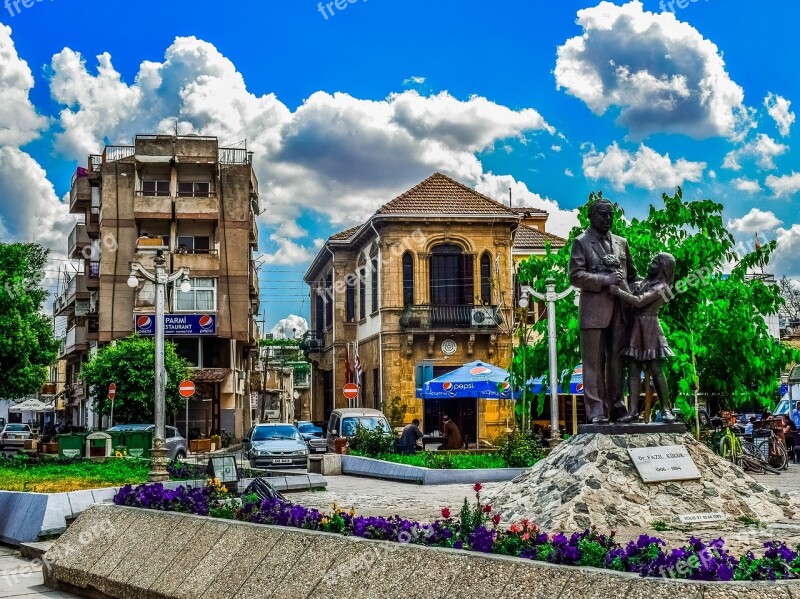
{"x": 484, "y": 317}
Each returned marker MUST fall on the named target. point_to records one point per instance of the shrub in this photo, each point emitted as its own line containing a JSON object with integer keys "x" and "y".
{"x": 371, "y": 443}
{"x": 520, "y": 449}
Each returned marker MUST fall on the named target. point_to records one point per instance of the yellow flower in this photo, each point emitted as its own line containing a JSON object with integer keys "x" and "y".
{"x": 118, "y": 454}
{"x": 335, "y": 506}
{"x": 324, "y": 520}
{"x": 224, "y": 489}
{"x": 352, "y": 512}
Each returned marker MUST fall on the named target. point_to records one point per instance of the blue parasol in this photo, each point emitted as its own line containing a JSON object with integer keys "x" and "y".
{"x": 476, "y": 379}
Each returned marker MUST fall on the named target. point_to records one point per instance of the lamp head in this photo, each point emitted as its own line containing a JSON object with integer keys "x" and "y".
{"x": 523, "y": 300}
{"x": 133, "y": 280}
{"x": 186, "y": 285}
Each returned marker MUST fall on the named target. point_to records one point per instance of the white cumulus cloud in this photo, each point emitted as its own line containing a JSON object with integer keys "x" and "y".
{"x": 288, "y": 252}
{"x": 785, "y": 185}
{"x": 754, "y": 221}
{"x": 646, "y": 168}
{"x": 747, "y": 185}
{"x": 779, "y": 108}
{"x": 763, "y": 149}
{"x": 661, "y": 73}
{"x": 291, "y": 327}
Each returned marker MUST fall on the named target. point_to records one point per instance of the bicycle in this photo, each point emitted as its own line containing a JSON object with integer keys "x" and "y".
{"x": 730, "y": 447}
{"x": 744, "y": 454}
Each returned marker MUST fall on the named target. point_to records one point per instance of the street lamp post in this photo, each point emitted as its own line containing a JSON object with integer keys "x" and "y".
{"x": 158, "y": 454}
{"x": 551, "y": 297}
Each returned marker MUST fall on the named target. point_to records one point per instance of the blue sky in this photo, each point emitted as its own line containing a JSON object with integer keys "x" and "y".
{"x": 554, "y": 99}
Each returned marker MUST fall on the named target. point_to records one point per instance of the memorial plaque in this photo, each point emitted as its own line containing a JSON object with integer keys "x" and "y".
{"x": 662, "y": 464}
{"x": 700, "y": 518}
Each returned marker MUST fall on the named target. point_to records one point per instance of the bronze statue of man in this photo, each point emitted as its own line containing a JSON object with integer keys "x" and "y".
{"x": 598, "y": 261}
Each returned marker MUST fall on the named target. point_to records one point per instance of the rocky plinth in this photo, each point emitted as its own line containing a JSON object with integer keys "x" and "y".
{"x": 591, "y": 479}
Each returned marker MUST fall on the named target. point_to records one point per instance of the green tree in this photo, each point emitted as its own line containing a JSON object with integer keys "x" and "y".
{"x": 27, "y": 345}
{"x": 130, "y": 364}
{"x": 714, "y": 323}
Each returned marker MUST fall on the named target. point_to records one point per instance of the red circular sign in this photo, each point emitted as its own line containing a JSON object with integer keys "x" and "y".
{"x": 112, "y": 391}
{"x": 350, "y": 390}
{"x": 186, "y": 388}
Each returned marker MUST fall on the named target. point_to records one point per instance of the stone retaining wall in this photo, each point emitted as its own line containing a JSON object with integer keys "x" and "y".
{"x": 361, "y": 466}
{"x": 123, "y": 552}
{"x": 24, "y": 517}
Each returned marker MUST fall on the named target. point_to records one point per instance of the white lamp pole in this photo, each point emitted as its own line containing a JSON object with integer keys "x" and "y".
{"x": 158, "y": 454}
{"x": 551, "y": 297}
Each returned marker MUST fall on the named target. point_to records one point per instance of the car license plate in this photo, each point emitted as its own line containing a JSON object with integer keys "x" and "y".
{"x": 282, "y": 461}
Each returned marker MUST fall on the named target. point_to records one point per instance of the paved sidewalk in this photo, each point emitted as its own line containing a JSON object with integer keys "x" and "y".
{"x": 22, "y": 578}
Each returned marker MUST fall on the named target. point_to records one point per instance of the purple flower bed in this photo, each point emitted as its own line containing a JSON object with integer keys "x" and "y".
{"x": 477, "y": 529}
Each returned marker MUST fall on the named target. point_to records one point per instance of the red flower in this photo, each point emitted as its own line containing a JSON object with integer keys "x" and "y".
{"x": 514, "y": 529}
{"x": 477, "y": 488}
{"x": 496, "y": 519}
{"x": 445, "y": 512}
{"x": 487, "y": 509}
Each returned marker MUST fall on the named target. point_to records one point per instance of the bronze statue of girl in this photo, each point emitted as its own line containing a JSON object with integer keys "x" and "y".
{"x": 647, "y": 343}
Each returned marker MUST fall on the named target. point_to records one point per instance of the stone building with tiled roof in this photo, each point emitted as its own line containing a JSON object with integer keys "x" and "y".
{"x": 422, "y": 287}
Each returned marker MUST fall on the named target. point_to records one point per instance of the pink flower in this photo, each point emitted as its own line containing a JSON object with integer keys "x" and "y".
{"x": 477, "y": 488}
{"x": 514, "y": 529}
{"x": 487, "y": 509}
{"x": 526, "y": 537}
{"x": 496, "y": 519}
{"x": 445, "y": 512}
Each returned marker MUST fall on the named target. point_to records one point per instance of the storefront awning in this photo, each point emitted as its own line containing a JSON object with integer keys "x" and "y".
{"x": 210, "y": 375}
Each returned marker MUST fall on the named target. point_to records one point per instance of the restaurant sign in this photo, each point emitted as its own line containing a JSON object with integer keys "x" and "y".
{"x": 177, "y": 324}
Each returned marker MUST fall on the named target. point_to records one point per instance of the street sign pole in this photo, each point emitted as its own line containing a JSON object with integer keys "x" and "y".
{"x": 112, "y": 393}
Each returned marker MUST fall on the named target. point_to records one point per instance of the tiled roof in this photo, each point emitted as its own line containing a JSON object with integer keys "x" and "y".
{"x": 210, "y": 375}
{"x": 528, "y": 209}
{"x": 439, "y": 194}
{"x": 346, "y": 234}
{"x": 534, "y": 239}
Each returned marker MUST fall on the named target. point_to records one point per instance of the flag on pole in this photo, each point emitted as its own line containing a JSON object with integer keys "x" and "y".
{"x": 348, "y": 367}
{"x": 358, "y": 366}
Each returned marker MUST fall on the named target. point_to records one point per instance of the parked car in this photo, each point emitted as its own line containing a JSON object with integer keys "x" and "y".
{"x": 14, "y": 436}
{"x": 313, "y": 435}
{"x": 343, "y": 423}
{"x": 176, "y": 444}
{"x": 276, "y": 445}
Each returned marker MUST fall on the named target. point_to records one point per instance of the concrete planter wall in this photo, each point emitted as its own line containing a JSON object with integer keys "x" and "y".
{"x": 123, "y": 552}
{"x": 360, "y": 466}
{"x": 24, "y": 517}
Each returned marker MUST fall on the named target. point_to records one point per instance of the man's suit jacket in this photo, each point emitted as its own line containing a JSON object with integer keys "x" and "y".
{"x": 586, "y": 272}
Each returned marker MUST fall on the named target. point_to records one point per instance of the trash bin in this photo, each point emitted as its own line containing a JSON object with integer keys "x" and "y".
{"x": 72, "y": 445}
{"x": 139, "y": 443}
{"x": 117, "y": 440}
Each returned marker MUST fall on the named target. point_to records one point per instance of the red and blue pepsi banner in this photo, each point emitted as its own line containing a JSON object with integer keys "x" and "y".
{"x": 176, "y": 325}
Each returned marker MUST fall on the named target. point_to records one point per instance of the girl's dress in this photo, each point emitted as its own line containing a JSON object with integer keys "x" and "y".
{"x": 647, "y": 340}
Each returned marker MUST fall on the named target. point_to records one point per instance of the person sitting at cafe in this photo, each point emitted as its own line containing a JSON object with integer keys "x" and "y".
{"x": 748, "y": 428}
{"x": 451, "y": 434}
{"x": 789, "y": 432}
{"x": 795, "y": 414}
{"x": 408, "y": 439}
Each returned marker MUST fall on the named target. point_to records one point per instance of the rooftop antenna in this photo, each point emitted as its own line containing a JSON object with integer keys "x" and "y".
{"x": 176, "y": 127}
{"x": 509, "y": 197}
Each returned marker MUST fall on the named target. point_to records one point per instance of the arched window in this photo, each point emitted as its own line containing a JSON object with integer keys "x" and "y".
{"x": 486, "y": 279}
{"x": 452, "y": 273}
{"x": 408, "y": 279}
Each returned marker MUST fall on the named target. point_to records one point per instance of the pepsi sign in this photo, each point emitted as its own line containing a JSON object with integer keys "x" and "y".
{"x": 176, "y": 325}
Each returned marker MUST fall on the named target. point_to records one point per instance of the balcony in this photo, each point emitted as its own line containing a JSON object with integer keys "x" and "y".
{"x": 312, "y": 343}
{"x": 93, "y": 278}
{"x": 208, "y": 262}
{"x": 151, "y": 245}
{"x": 235, "y": 156}
{"x": 253, "y": 281}
{"x": 427, "y": 318}
{"x": 151, "y": 206}
{"x": 78, "y": 241}
{"x": 93, "y": 222}
{"x": 302, "y": 379}
{"x": 73, "y": 342}
{"x": 254, "y": 335}
{"x": 76, "y": 290}
{"x": 253, "y": 232}
{"x": 92, "y": 328}
{"x": 80, "y": 193}
{"x": 197, "y": 207}
{"x": 114, "y": 153}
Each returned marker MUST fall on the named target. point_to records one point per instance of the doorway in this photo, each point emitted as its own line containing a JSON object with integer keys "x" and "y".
{"x": 462, "y": 411}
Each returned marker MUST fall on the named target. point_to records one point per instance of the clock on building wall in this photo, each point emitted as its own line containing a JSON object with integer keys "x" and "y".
{"x": 449, "y": 347}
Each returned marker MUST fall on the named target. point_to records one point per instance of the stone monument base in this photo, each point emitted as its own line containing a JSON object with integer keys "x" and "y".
{"x": 634, "y": 428}
{"x": 591, "y": 479}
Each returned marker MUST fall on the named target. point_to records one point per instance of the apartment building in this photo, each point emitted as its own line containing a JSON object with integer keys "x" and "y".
{"x": 197, "y": 204}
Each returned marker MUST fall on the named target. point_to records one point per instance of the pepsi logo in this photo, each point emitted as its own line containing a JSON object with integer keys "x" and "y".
{"x": 144, "y": 322}
{"x": 479, "y": 370}
{"x": 447, "y": 386}
{"x": 506, "y": 386}
{"x": 206, "y": 321}
{"x": 579, "y": 387}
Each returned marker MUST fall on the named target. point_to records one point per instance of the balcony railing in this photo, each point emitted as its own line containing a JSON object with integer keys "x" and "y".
{"x": 74, "y": 340}
{"x": 302, "y": 379}
{"x": 78, "y": 240}
{"x": 451, "y": 317}
{"x": 95, "y": 162}
{"x": 235, "y": 156}
{"x": 113, "y": 153}
{"x": 75, "y": 289}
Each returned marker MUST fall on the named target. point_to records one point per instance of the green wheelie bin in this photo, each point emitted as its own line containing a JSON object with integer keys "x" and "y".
{"x": 72, "y": 445}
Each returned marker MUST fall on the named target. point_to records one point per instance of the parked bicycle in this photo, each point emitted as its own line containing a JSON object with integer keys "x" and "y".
{"x": 746, "y": 455}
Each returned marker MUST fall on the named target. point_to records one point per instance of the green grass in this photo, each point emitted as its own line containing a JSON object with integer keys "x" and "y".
{"x": 446, "y": 460}
{"x": 56, "y": 476}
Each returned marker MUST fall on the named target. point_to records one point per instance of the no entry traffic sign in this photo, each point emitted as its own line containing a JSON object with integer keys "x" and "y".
{"x": 112, "y": 391}
{"x": 186, "y": 388}
{"x": 350, "y": 390}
